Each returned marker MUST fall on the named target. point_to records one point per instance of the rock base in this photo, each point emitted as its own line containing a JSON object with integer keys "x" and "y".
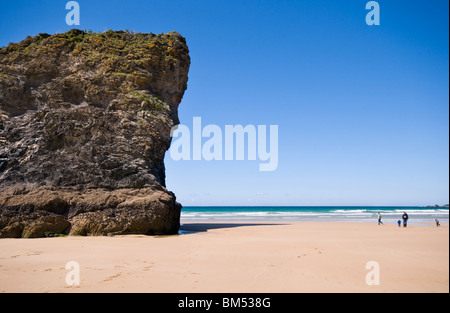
{"x": 46, "y": 212}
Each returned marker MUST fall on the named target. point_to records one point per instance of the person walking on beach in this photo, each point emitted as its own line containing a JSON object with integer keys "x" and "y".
{"x": 379, "y": 218}
{"x": 405, "y": 219}
{"x": 437, "y": 222}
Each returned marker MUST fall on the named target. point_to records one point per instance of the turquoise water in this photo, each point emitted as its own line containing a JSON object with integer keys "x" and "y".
{"x": 314, "y": 213}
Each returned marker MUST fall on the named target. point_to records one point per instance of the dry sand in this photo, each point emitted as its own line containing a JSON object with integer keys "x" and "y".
{"x": 289, "y": 257}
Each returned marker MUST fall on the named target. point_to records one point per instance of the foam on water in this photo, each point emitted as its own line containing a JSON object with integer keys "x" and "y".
{"x": 351, "y": 214}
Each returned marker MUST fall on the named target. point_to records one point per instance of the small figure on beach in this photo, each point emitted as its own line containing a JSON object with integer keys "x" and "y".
{"x": 437, "y": 222}
{"x": 379, "y": 218}
{"x": 399, "y": 223}
{"x": 405, "y": 219}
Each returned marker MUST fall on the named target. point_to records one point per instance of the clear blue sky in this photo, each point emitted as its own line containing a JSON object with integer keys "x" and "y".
{"x": 362, "y": 110}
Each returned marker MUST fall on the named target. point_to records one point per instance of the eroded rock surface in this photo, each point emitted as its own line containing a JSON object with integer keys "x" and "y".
{"x": 85, "y": 122}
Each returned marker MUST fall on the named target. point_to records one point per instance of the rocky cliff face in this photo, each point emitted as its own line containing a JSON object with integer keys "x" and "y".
{"x": 85, "y": 122}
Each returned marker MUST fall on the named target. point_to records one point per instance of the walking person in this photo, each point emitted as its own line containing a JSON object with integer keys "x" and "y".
{"x": 405, "y": 219}
{"x": 379, "y": 218}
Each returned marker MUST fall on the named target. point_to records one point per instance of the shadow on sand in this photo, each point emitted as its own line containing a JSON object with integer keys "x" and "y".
{"x": 188, "y": 228}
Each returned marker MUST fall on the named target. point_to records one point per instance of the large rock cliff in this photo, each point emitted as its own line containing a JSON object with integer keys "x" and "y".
{"x": 85, "y": 122}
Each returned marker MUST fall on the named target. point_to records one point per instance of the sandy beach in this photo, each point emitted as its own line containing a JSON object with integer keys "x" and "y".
{"x": 232, "y": 257}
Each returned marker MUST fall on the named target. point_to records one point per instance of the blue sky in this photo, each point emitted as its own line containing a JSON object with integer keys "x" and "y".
{"x": 362, "y": 110}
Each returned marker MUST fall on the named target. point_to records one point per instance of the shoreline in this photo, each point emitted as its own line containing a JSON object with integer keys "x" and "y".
{"x": 390, "y": 214}
{"x": 281, "y": 221}
{"x": 238, "y": 257}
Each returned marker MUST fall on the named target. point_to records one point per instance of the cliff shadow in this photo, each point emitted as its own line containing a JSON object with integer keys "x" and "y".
{"x": 189, "y": 228}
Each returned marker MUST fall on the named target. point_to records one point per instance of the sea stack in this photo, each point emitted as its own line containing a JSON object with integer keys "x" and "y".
{"x": 85, "y": 122}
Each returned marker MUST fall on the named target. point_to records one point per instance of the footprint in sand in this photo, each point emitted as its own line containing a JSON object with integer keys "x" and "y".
{"x": 112, "y": 277}
{"x": 307, "y": 254}
{"x": 29, "y": 253}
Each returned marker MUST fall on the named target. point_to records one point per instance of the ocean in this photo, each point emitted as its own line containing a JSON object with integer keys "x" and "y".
{"x": 417, "y": 215}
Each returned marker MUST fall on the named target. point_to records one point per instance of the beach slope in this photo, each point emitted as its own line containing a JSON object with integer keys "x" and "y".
{"x": 233, "y": 257}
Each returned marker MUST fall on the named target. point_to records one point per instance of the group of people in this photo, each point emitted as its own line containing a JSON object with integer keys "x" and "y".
{"x": 405, "y": 218}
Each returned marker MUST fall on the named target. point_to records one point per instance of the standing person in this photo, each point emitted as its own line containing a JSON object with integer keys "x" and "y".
{"x": 437, "y": 222}
{"x": 405, "y": 219}
{"x": 379, "y": 218}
